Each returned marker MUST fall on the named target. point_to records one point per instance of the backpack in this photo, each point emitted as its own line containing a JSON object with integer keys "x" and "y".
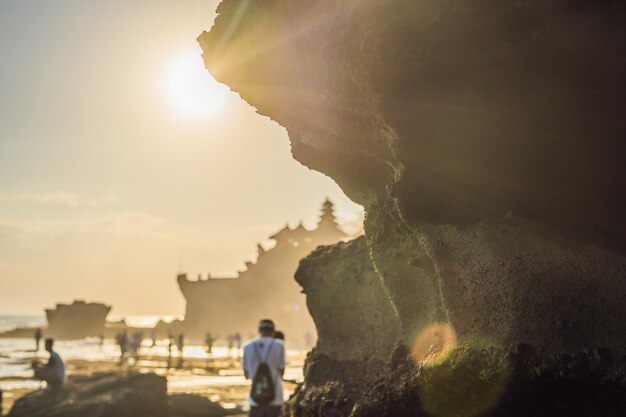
{"x": 263, "y": 390}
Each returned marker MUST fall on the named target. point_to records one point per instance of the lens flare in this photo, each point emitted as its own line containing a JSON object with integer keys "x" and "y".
{"x": 433, "y": 344}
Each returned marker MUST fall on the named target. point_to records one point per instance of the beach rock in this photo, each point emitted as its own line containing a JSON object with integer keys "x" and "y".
{"x": 100, "y": 395}
{"x": 470, "y": 132}
{"x": 190, "y": 405}
{"x": 485, "y": 140}
{"x": 347, "y": 300}
{"x": 77, "y": 320}
{"x": 489, "y": 382}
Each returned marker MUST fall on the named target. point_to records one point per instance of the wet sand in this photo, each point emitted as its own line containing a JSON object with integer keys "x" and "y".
{"x": 220, "y": 379}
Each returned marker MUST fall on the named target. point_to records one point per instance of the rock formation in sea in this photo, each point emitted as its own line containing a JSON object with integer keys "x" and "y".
{"x": 77, "y": 320}
{"x": 485, "y": 140}
{"x": 223, "y": 306}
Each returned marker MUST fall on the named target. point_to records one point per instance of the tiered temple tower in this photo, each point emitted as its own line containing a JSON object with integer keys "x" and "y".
{"x": 265, "y": 289}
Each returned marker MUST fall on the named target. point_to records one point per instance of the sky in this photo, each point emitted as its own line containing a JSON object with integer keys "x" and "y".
{"x": 122, "y": 162}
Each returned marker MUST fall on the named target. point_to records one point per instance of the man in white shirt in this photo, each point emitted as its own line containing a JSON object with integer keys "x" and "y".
{"x": 271, "y": 351}
{"x": 54, "y": 371}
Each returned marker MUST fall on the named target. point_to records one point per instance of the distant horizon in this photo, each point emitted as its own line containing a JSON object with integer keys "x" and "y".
{"x": 122, "y": 162}
{"x": 192, "y": 275}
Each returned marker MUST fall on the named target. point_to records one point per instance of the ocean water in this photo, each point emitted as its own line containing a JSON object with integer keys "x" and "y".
{"x": 16, "y": 356}
{"x": 8, "y": 322}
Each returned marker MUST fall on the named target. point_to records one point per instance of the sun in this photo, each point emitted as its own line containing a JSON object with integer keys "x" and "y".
{"x": 192, "y": 90}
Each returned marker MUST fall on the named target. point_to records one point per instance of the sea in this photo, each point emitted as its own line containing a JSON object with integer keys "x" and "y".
{"x": 16, "y": 356}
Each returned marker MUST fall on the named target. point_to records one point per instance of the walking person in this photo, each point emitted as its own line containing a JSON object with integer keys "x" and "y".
{"x": 180, "y": 344}
{"x": 37, "y": 338}
{"x": 208, "y": 342}
{"x": 135, "y": 345}
{"x": 239, "y": 342}
{"x": 123, "y": 342}
{"x": 53, "y": 372}
{"x": 264, "y": 364}
{"x": 170, "y": 346}
{"x": 229, "y": 343}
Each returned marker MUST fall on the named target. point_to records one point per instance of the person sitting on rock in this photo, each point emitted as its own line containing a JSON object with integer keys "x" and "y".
{"x": 53, "y": 372}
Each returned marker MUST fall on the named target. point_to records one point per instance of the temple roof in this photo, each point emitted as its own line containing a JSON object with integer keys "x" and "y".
{"x": 327, "y": 218}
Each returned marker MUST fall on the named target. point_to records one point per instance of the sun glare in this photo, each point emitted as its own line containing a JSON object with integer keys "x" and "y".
{"x": 192, "y": 89}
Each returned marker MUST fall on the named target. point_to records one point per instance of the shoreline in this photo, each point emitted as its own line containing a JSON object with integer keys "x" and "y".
{"x": 218, "y": 378}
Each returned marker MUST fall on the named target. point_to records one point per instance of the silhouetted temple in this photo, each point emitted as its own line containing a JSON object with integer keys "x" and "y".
{"x": 266, "y": 289}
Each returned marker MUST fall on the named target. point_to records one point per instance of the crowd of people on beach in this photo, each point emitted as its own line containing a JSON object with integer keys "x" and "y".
{"x": 262, "y": 360}
{"x": 129, "y": 345}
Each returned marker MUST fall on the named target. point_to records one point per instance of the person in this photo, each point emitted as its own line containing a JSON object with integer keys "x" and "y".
{"x": 53, "y": 372}
{"x": 135, "y": 345}
{"x": 170, "y": 346}
{"x": 266, "y": 349}
{"x": 180, "y": 344}
{"x": 208, "y": 341}
{"x": 37, "y": 338}
{"x": 123, "y": 342}
{"x": 229, "y": 343}
{"x": 239, "y": 341}
{"x": 279, "y": 335}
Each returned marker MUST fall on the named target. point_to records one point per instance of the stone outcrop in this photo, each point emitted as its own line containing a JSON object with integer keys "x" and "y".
{"x": 77, "y": 320}
{"x": 101, "y": 395}
{"x": 109, "y": 394}
{"x": 485, "y": 140}
{"x": 191, "y": 405}
{"x": 347, "y": 299}
{"x": 486, "y": 382}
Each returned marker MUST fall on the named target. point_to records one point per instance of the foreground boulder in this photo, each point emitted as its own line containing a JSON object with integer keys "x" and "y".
{"x": 101, "y": 395}
{"x": 487, "y": 382}
{"x": 190, "y": 405}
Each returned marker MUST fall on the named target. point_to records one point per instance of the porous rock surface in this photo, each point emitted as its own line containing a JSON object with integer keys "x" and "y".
{"x": 100, "y": 395}
{"x": 485, "y": 140}
{"x": 348, "y": 301}
{"x": 191, "y": 405}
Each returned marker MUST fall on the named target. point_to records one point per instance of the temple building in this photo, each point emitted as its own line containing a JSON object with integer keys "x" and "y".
{"x": 266, "y": 289}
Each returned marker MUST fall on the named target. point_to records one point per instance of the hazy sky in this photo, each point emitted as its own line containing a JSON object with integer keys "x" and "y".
{"x": 120, "y": 157}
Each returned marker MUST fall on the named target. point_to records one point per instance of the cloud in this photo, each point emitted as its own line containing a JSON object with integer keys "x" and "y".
{"x": 116, "y": 224}
{"x": 63, "y": 198}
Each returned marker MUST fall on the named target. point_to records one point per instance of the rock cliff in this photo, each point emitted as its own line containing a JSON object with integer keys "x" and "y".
{"x": 484, "y": 138}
